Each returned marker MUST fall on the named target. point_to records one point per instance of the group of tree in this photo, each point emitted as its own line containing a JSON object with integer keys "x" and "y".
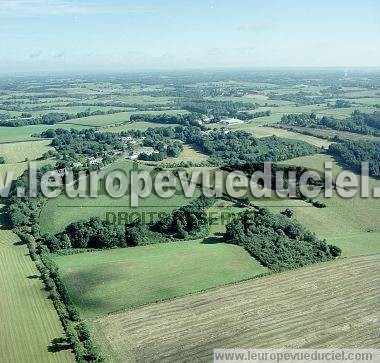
{"x": 357, "y": 122}
{"x": 184, "y": 120}
{"x": 163, "y": 143}
{"x": 353, "y": 153}
{"x": 342, "y": 104}
{"x": 190, "y": 221}
{"x": 72, "y": 145}
{"x": 277, "y": 241}
{"x": 261, "y": 114}
{"x": 215, "y": 108}
{"x": 300, "y": 98}
{"x": 25, "y": 211}
{"x": 249, "y": 168}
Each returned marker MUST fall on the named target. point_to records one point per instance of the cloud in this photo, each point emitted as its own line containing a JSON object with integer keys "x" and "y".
{"x": 216, "y": 51}
{"x": 35, "y": 54}
{"x": 58, "y": 54}
{"x": 32, "y": 8}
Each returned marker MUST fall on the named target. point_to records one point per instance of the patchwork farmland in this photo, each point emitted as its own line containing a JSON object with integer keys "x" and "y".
{"x": 198, "y": 274}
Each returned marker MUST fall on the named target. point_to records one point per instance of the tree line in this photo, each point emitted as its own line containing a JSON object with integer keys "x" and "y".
{"x": 358, "y": 122}
{"x": 188, "y": 222}
{"x": 77, "y": 333}
{"x": 51, "y": 118}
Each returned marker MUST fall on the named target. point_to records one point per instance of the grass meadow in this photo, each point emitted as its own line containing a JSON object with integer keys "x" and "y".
{"x": 137, "y": 125}
{"x": 24, "y": 133}
{"x": 262, "y": 131}
{"x": 115, "y": 118}
{"x": 26, "y": 150}
{"x": 107, "y": 281}
{"x": 352, "y": 224}
{"x": 57, "y": 213}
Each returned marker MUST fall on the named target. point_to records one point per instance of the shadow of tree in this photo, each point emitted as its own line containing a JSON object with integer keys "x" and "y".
{"x": 212, "y": 240}
{"x": 31, "y": 277}
{"x": 58, "y": 344}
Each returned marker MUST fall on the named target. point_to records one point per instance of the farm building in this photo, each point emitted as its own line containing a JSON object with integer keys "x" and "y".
{"x": 142, "y": 150}
{"x": 230, "y": 121}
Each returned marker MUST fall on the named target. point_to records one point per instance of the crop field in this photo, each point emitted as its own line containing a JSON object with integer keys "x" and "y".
{"x": 108, "y": 281}
{"x": 29, "y": 322}
{"x": 296, "y": 309}
{"x": 59, "y": 212}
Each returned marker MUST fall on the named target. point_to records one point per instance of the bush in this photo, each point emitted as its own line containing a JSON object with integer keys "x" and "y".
{"x": 335, "y": 250}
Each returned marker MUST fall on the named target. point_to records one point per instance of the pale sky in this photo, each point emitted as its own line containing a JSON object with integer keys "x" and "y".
{"x": 116, "y": 35}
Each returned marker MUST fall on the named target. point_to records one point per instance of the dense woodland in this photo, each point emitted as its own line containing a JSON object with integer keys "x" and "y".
{"x": 277, "y": 241}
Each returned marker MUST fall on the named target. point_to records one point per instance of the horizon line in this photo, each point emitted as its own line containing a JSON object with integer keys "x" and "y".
{"x": 185, "y": 69}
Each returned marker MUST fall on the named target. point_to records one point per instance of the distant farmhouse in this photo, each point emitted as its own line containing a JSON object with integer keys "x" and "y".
{"x": 141, "y": 150}
{"x": 94, "y": 161}
{"x": 230, "y": 121}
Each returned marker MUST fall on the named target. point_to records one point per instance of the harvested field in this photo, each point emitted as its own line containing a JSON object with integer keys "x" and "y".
{"x": 333, "y": 304}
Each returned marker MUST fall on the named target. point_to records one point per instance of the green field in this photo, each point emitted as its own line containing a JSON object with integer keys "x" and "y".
{"x": 107, "y": 281}
{"x": 20, "y": 151}
{"x": 115, "y": 118}
{"x": 24, "y": 133}
{"x": 176, "y": 301}
{"x": 261, "y": 131}
{"x": 326, "y": 305}
{"x": 57, "y": 213}
{"x": 138, "y": 125}
{"x": 189, "y": 154}
{"x": 29, "y": 322}
{"x": 329, "y": 133}
{"x": 352, "y": 224}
